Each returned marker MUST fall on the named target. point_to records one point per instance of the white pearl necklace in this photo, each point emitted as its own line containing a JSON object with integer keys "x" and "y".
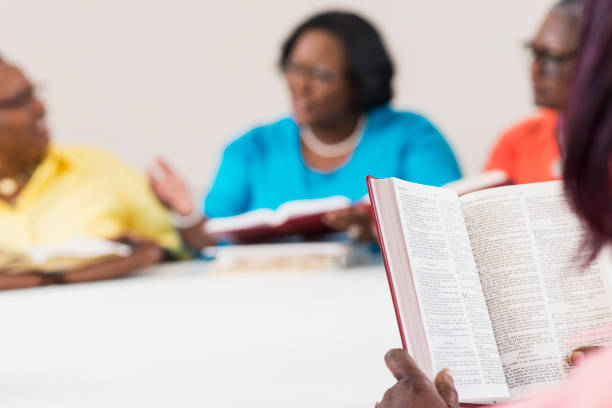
{"x": 339, "y": 149}
{"x": 8, "y": 186}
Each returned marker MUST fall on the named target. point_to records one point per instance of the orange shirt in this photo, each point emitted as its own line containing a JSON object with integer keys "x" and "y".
{"x": 529, "y": 152}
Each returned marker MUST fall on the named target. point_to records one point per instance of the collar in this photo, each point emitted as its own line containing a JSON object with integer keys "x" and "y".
{"x": 54, "y": 162}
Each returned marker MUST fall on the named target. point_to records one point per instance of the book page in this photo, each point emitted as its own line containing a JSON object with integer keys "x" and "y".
{"x": 489, "y": 179}
{"x": 71, "y": 254}
{"x": 78, "y": 248}
{"x": 251, "y": 219}
{"x": 313, "y": 206}
{"x": 455, "y": 316}
{"x": 528, "y": 249}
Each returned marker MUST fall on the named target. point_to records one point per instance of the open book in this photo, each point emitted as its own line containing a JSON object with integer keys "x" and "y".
{"x": 493, "y": 284}
{"x": 489, "y": 179}
{"x": 17, "y": 269}
{"x": 300, "y": 217}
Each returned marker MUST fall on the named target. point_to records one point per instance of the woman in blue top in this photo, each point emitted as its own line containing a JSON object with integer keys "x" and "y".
{"x": 339, "y": 75}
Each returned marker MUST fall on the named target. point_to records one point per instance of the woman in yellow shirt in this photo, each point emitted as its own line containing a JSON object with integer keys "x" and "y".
{"x": 50, "y": 194}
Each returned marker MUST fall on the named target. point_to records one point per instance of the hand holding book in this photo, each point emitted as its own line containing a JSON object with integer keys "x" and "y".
{"x": 356, "y": 221}
{"x": 307, "y": 218}
{"x": 79, "y": 260}
{"x": 491, "y": 284}
{"x": 413, "y": 388}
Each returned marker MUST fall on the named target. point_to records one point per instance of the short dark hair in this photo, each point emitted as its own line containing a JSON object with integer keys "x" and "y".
{"x": 370, "y": 67}
{"x": 587, "y": 124}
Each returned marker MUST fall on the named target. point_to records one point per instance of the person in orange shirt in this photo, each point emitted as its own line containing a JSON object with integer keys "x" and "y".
{"x": 529, "y": 151}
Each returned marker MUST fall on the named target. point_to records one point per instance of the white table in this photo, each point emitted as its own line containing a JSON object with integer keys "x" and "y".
{"x": 177, "y": 336}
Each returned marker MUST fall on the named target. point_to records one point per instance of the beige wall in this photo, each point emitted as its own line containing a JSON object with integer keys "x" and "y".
{"x": 181, "y": 77}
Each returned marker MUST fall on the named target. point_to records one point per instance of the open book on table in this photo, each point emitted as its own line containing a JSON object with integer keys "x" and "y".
{"x": 493, "y": 284}
{"x": 300, "y": 217}
{"x": 17, "y": 267}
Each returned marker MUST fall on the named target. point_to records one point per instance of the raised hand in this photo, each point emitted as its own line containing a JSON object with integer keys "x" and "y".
{"x": 170, "y": 189}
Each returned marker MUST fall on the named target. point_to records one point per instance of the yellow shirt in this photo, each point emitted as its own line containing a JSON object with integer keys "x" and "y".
{"x": 83, "y": 192}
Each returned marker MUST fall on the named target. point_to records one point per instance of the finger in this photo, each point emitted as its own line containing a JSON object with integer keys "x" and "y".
{"x": 336, "y": 220}
{"x": 355, "y": 231}
{"x": 163, "y": 165}
{"x": 330, "y": 218}
{"x": 446, "y": 388}
{"x": 403, "y": 367}
{"x": 362, "y": 210}
{"x": 589, "y": 349}
{"x": 130, "y": 238}
{"x": 151, "y": 177}
{"x": 402, "y": 395}
{"x": 577, "y": 355}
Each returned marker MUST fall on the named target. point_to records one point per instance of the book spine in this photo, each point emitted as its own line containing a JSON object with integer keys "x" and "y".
{"x": 383, "y": 250}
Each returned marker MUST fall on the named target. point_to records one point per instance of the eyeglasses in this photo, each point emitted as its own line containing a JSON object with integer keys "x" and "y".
{"x": 550, "y": 62}
{"x": 315, "y": 73}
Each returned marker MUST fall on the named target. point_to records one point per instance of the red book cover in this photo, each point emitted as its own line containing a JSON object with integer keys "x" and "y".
{"x": 385, "y": 260}
{"x": 298, "y": 218}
